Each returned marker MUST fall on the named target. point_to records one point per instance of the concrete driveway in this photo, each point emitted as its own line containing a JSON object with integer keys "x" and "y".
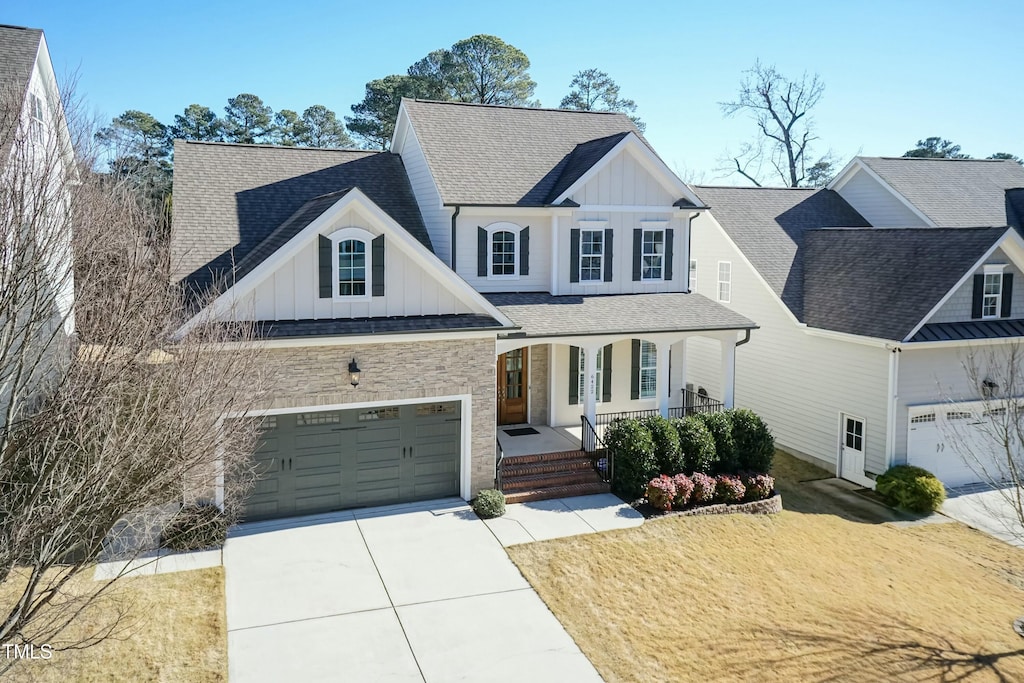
{"x": 987, "y": 509}
{"x": 420, "y": 592}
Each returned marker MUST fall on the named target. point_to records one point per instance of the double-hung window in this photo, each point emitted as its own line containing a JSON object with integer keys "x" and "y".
{"x": 351, "y": 268}
{"x": 993, "y": 295}
{"x": 592, "y": 251}
{"x": 648, "y": 370}
{"x": 725, "y": 281}
{"x": 581, "y": 376}
{"x": 503, "y": 253}
{"x": 653, "y": 255}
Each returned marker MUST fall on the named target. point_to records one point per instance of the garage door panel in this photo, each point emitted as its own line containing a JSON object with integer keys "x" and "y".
{"x": 951, "y": 443}
{"x": 314, "y": 460}
{"x": 378, "y": 433}
{"x": 369, "y": 475}
{"x": 379, "y": 496}
{"x": 309, "y": 504}
{"x": 442, "y": 430}
{"x": 326, "y": 479}
{"x": 382, "y": 453}
{"x": 316, "y": 441}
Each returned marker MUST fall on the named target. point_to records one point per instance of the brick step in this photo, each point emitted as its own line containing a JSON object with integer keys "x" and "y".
{"x": 540, "y": 481}
{"x": 567, "y": 465}
{"x": 516, "y": 460}
{"x": 556, "y": 492}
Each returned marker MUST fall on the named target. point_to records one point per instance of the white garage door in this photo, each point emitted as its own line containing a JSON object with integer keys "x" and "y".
{"x": 949, "y": 441}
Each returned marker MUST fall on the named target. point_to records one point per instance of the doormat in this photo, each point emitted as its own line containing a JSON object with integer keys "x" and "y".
{"x": 521, "y": 431}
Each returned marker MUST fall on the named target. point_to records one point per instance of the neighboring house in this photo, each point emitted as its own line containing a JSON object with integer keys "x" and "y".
{"x": 498, "y": 266}
{"x": 864, "y": 329}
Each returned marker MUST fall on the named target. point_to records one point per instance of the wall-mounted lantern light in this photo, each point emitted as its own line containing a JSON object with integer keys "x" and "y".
{"x": 353, "y": 373}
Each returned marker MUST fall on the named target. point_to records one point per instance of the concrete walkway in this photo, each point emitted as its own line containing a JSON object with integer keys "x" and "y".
{"x": 988, "y": 509}
{"x": 420, "y": 592}
{"x": 546, "y": 519}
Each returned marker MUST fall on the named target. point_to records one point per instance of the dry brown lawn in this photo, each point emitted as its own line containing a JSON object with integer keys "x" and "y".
{"x": 175, "y": 632}
{"x": 807, "y": 595}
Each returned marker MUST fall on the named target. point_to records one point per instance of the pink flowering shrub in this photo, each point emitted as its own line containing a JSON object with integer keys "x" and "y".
{"x": 661, "y": 491}
{"x": 684, "y": 488}
{"x": 703, "y": 488}
{"x": 729, "y": 489}
{"x": 759, "y": 486}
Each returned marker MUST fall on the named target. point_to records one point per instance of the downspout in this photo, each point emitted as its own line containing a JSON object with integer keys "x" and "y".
{"x": 455, "y": 214}
{"x": 894, "y": 383}
{"x": 689, "y": 254}
{"x": 746, "y": 337}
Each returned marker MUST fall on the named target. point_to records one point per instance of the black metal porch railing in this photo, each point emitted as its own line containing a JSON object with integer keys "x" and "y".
{"x": 696, "y": 403}
{"x": 499, "y": 464}
{"x": 604, "y": 419}
{"x": 592, "y": 445}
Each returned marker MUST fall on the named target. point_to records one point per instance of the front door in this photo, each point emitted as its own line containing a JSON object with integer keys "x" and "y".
{"x": 512, "y": 387}
{"x": 851, "y": 462}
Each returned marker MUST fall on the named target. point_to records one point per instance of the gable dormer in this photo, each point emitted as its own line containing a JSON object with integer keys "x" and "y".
{"x": 875, "y": 199}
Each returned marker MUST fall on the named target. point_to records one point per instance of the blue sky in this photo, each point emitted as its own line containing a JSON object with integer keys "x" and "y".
{"x": 895, "y": 71}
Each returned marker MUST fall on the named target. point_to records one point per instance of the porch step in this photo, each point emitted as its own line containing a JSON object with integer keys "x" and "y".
{"x": 569, "y": 464}
{"x": 556, "y": 492}
{"x": 529, "y": 482}
{"x": 538, "y": 458}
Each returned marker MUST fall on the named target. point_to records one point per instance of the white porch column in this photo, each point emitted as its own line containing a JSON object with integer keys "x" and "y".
{"x": 680, "y": 360}
{"x": 728, "y": 371}
{"x": 590, "y": 387}
{"x": 661, "y": 349}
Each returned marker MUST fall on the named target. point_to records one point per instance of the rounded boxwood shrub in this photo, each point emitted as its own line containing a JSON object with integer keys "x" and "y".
{"x": 665, "y": 438}
{"x": 697, "y": 444}
{"x": 911, "y": 488}
{"x": 684, "y": 489}
{"x": 489, "y": 503}
{"x": 720, "y": 426}
{"x": 196, "y": 527}
{"x": 630, "y": 444}
{"x": 759, "y": 486}
{"x": 661, "y": 492}
{"x": 753, "y": 441}
{"x": 729, "y": 489}
{"x": 704, "y": 487}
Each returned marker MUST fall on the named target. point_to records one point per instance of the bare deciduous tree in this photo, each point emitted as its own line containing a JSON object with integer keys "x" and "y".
{"x": 781, "y": 109}
{"x": 105, "y": 413}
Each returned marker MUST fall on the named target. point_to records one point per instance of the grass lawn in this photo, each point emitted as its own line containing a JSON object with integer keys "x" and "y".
{"x": 175, "y": 633}
{"x": 807, "y": 595}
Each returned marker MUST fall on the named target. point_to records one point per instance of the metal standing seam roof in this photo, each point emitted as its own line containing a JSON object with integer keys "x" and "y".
{"x": 544, "y": 315}
{"x": 968, "y": 330}
{"x": 882, "y": 282}
{"x": 954, "y": 192}
{"x": 769, "y": 224}
{"x": 236, "y": 204}
{"x": 511, "y": 156}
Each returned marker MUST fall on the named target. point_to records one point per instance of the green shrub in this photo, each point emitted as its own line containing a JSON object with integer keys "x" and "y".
{"x": 630, "y": 444}
{"x": 665, "y": 438}
{"x": 720, "y": 426}
{"x": 196, "y": 527}
{"x": 697, "y": 445}
{"x": 911, "y": 488}
{"x": 754, "y": 443}
{"x": 489, "y": 503}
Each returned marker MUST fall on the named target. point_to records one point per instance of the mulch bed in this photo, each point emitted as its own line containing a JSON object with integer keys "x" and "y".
{"x": 768, "y": 506}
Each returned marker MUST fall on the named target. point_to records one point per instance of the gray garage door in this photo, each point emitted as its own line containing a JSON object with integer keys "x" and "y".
{"x": 331, "y": 460}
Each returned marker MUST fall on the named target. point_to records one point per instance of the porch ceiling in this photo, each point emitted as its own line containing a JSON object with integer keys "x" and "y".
{"x": 543, "y": 315}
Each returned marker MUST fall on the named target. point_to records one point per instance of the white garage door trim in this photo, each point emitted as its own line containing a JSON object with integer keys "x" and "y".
{"x": 965, "y": 473}
{"x": 465, "y": 469}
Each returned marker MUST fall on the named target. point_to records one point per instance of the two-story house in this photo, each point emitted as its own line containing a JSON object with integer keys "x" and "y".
{"x": 871, "y": 294}
{"x": 499, "y": 273}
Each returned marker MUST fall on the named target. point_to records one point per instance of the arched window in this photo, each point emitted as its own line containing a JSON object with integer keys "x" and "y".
{"x": 353, "y": 253}
{"x": 503, "y": 253}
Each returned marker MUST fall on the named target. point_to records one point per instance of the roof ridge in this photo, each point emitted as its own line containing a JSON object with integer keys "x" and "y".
{"x": 755, "y": 187}
{"x": 514, "y": 106}
{"x": 929, "y": 159}
{"x": 922, "y": 228}
{"x": 21, "y": 28}
{"x": 264, "y": 145}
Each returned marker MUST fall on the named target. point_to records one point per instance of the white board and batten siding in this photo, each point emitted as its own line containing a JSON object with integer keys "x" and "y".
{"x": 876, "y": 203}
{"x": 437, "y": 218}
{"x": 291, "y": 292}
{"x": 958, "y": 307}
{"x": 800, "y": 384}
{"x": 466, "y": 236}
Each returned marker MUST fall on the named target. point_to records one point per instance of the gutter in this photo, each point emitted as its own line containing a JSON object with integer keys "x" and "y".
{"x": 746, "y": 336}
{"x": 455, "y": 214}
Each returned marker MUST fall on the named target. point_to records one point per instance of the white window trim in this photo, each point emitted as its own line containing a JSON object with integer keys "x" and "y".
{"x": 728, "y": 283}
{"x": 993, "y": 269}
{"x": 503, "y": 227}
{"x": 364, "y": 236}
{"x": 693, "y": 275}
{"x": 644, "y": 229}
{"x": 591, "y": 226}
{"x": 648, "y": 368}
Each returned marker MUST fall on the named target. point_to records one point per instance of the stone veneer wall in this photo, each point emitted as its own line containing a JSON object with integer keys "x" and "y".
{"x": 318, "y": 375}
{"x": 539, "y": 368}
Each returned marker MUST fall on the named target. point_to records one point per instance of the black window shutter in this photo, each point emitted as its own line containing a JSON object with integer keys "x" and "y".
{"x": 638, "y": 243}
{"x": 669, "y": 234}
{"x": 574, "y": 375}
{"x": 979, "y": 295}
{"x": 481, "y": 252}
{"x": 524, "y": 251}
{"x": 377, "y": 254}
{"x": 608, "y": 234}
{"x": 1007, "y": 295}
{"x": 324, "y": 251}
{"x": 574, "y": 255}
{"x": 606, "y": 374}
{"x": 634, "y": 380}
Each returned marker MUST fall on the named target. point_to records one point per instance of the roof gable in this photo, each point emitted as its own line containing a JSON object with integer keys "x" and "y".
{"x": 19, "y": 47}
{"x": 491, "y": 155}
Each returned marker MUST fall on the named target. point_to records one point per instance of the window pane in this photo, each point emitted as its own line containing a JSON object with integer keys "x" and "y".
{"x": 351, "y": 268}
{"x": 591, "y": 255}
{"x": 503, "y": 253}
{"x": 581, "y": 376}
{"x": 648, "y": 370}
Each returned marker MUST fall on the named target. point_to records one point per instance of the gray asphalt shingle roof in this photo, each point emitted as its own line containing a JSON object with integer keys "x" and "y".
{"x": 544, "y": 315}
{"x": 954, "y": 193}
{"x": 359, "y": 326}
{"x": 769, "y": 224}
{"x": 882, "y": 282}
{"x": 505, "y": 156}
{"x": 236, "y": 204}
{"x": 18, "y": 49}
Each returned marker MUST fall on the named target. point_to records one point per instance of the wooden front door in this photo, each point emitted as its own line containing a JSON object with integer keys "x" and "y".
{"x": 512, "y": 387}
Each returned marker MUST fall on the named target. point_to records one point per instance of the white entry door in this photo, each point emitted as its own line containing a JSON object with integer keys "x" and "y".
{"x": 851, "y": 461}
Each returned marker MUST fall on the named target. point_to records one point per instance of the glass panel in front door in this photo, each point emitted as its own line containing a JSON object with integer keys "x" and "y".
{"x": 514, "y": 374}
